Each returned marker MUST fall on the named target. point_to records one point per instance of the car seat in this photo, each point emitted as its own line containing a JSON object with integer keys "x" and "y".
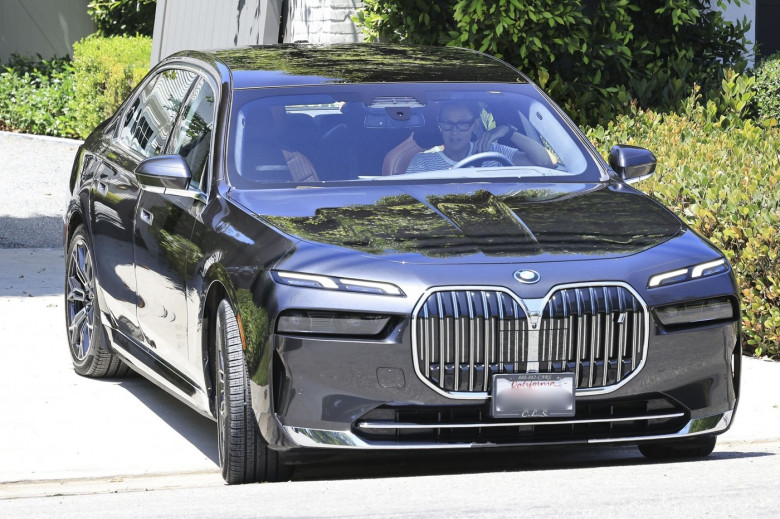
{"x": 398, "y": 159}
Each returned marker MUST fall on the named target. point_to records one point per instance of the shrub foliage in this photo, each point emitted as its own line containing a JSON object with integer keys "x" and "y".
{"x": 123, "y": 17}
{"x": 106, "y": 70}
{"x": 767, "y": 99}
{"x": 593, "y": 56}
{"x": 721, "y": 174}
{"x": 35, "y": 96}
{"x": 69, "y": 98}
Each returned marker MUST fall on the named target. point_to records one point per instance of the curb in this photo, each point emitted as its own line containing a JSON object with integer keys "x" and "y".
{"x": 63, "y": 140}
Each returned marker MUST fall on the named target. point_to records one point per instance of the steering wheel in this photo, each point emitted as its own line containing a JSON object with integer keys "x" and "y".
{"x": 485, "y": 155}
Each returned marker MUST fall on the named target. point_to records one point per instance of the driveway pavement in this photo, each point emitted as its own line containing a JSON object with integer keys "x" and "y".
{"x": 59, "y": 426}
{"x": 63, "y": 430}
{"x": 34, "y": 175}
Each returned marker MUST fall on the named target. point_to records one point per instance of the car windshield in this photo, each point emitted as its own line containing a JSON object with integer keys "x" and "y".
{"x": 400, "y": 133}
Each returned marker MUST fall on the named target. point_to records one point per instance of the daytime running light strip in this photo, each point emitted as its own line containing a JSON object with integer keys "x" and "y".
{"x": 696, "y": 271}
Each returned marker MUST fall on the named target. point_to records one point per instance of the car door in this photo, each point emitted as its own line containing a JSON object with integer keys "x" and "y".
{"x": 163, "y": 229}
{"x": 141, "y": 132}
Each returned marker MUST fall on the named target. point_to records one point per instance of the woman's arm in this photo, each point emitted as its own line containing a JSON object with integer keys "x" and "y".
{"x": 535, "y": 152}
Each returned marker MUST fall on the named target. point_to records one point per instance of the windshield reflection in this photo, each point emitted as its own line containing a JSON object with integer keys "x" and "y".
{"x": 400, "y": 132}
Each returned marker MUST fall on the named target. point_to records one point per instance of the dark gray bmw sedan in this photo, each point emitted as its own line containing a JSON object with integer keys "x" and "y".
{"x": 368, "y": 247}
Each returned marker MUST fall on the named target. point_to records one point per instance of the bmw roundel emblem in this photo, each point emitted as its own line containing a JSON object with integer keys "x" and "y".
{"x": 529, "y": 277}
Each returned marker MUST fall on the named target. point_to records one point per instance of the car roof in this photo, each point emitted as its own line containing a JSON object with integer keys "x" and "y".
{"x": 307, "y": 64}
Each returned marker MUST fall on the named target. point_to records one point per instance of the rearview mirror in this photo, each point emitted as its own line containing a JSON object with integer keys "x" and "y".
{"x": 168, "y": 171}
{"x": 631, "y": 163}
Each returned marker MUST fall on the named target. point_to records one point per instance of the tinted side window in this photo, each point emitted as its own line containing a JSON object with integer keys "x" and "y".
{"x": 192, "y": 139}
{"x": 148, "y": 122}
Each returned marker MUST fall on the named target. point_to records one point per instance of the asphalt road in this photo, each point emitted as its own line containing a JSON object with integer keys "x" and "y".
{"x": 734, "y": 482}
{"x": 77, "y": 447}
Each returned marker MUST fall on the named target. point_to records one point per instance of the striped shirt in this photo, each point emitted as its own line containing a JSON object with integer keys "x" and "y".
{"x": 434, "y": 159}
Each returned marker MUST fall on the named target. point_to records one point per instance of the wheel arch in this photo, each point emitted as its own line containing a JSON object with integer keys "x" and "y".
{"x": 74, "y": 220}
{"x": 215, "y": 293}
{"x": 258, "y": 357}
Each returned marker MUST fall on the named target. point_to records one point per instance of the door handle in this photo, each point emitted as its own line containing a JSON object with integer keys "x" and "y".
{"x": 146, "y": 216}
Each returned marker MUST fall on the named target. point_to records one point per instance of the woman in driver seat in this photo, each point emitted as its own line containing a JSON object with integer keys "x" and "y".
{"x": 458, "y": 122}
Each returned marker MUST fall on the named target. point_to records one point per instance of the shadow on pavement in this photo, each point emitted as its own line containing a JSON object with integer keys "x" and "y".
{"x": 200, "y": 431}
{"x": 37, "y": 232}
{"x": 383, "y": 465}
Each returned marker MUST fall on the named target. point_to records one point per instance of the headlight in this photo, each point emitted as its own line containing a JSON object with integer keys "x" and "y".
{"x": 696, "y": 312}
{"x": 697, "y": 271}
{"x": 316, "y": 322}
{"x": 335, "y": 283}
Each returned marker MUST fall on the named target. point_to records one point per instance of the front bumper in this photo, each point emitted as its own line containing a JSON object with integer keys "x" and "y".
{"x": 366, "y": 395}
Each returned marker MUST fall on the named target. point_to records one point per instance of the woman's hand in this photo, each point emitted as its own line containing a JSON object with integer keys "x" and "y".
{"x": 485, "y": 140}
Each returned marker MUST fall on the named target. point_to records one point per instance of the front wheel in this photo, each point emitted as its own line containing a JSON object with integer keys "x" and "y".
{"x": 244, "y": 454}
{"x": 679, "y": 449}
{"x": 86, "y": 336}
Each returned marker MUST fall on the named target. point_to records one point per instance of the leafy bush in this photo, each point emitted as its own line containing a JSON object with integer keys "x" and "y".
{"x": 123, "y": 17}
{"x": 593, "y": 56}
{"x": 35, "y": 96}
{"x": 768, "y": 88}
{"x": 106, "y": 70}
{"x": 722, "y": 175}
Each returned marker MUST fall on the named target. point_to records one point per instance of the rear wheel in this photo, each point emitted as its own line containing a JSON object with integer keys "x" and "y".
{"x": 692, "y": 448}
{"x": 244, "y": 454}
{"x": 86, "y": 336}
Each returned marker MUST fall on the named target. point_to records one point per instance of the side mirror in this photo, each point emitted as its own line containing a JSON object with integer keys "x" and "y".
{"x": 631, "y": 163}
{"x": 167, "y": 171}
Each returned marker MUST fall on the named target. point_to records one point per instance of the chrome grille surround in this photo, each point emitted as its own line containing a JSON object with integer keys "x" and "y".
{"x": 464, "y": 325}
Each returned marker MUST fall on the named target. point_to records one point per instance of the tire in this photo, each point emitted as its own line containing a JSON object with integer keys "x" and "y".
{"x": 244, "y": 455}
{"x": 681, "y": 449}
{"x": 86, "y": 336}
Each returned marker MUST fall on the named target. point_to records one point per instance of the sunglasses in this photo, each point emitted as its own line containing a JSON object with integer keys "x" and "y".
{"x": 462, "y": 126}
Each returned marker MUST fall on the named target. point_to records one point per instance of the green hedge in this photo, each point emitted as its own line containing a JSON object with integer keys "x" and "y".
{"x": 35, "y": 96}
{"x": 106, "y": 70}
{"x": 767, "y": 99}
{"x": 69, "y": 98}
{"x": 722, "y": 176}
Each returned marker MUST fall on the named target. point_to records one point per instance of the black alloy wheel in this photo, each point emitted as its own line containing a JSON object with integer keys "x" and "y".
{"x": 86, "y": 336}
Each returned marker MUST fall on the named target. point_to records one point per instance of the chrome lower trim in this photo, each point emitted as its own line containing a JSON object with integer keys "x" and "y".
{"x": 320, "y": 438}
{"x": 394, "y": 425}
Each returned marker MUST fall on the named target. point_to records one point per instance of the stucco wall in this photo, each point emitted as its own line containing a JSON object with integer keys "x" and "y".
{"x": 45, "y": 27}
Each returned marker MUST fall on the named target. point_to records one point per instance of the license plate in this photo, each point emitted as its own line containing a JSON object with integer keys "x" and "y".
{"x": 533, "y": 395}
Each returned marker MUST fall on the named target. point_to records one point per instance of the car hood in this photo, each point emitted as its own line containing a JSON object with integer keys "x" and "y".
{"x": 469, "y": 223}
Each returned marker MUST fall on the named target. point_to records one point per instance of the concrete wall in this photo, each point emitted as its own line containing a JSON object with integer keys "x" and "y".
{"x": 45, "y": 27}
{"x": 209, "y": 24}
